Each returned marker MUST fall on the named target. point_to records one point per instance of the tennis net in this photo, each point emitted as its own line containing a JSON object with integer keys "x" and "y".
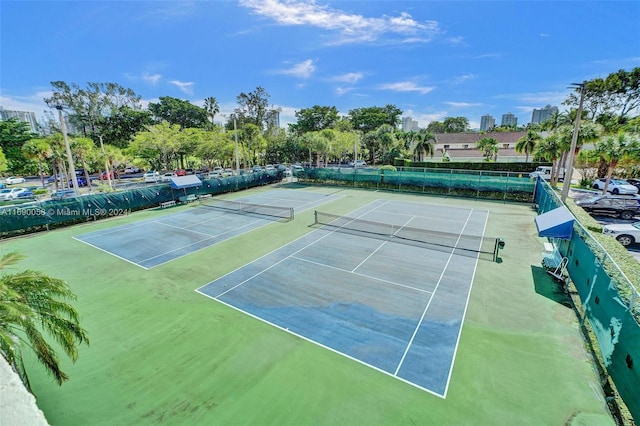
{"x": 463, "y": 244}
{"x": 279, "y": 212}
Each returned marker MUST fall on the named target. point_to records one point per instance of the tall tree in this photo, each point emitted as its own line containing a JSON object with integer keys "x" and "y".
{"x": 616, "y": 95}
{"x": 527, "y": 143}
{"x": 425, "y": 145}
{"x": 121, "y": 125}
{"x": 87, "y": 106}
{"x": 314, "y": 119}
{"x": 179, "y": 112}
{"x": 40, "y": 151}
{"x": 371, "y": 118}
{"x": 612, "y": 149}
{"x": 31, "y": 304}
{"x": 550, "y": 149}
{"x": 489, "y": 148}
{"x": 436, "y": 127}
{"x": 212, "y": 107}
{"x": 252, "y": 108}
{"x": 13, "y": 135}
{"x": 456, "y": 125}
{"x": 158, "y": 145}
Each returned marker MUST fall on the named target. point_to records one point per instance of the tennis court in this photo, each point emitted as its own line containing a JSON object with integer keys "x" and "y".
{"x": 384, "y": 299}
{"x": 157, "y": 241}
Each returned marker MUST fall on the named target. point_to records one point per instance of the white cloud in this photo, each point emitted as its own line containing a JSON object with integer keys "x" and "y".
{"x": 463, "y": 104}
{"x": 184, "y": 86}
{"x": 302, "y": 70}
{"x": 151, "y": 78}
{"x": 350, "y": 77}
{"x": 464, "y": 78}
{"x": 348, "y": 28}
{"x": 406, "y": 86}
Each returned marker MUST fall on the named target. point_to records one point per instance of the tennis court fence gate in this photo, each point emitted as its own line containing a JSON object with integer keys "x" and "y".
{"x": 610, "y": 301}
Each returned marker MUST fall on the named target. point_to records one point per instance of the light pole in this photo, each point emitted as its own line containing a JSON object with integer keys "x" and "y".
{"x": 235, "y": 132}
{"x": 574, "y": 141}
{"x": 72, "y": 168}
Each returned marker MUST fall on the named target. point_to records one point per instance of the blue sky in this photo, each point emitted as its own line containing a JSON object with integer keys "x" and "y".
{"x": 432, "y": 59}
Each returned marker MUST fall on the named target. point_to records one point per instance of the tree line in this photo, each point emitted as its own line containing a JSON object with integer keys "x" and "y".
{"x": 112, "y": 129}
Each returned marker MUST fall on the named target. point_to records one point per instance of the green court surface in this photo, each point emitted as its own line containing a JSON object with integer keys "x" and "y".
{"x": 161, "y": 353}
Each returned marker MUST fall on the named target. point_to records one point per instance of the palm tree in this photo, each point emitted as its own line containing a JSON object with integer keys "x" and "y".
{"x": 613, "y": 149}
{"x": 32, "y": 303}
{"x": 38, "y": 149}
{"x": 550, "y": 148}
{"x": 527, "y": 143}
{"x": 489, "y": 148}
{"x": 212, "y": 107}
{"x": 425, "y": 145}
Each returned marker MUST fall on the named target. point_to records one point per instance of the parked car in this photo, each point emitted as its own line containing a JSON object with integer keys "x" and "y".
{"x": 62, "y": 194}
{"x": 545, "y": 173}
{"x": 12, "y": 180}
{"x": 616, "y": 186}
{"x": 625, "y": 233}
{"x": 358, "y": 163}
{"x": 8, "y": 194}
{"x": 25, "y": 195}
{"x": 131, "y": 169}
{"x": 59, "y": 178}
{"x": 180, "y": 172}
{"x": 151, "y": 176}
{"x": 112, "y": 175}
{"x": 269, "y": 168}
{"x": 81, "y": 181}
{"x": 623, "y": 207}
{"x": 2, "y": 185}
{"x": 167, "y": 176}
{"x": 635, "y": 182}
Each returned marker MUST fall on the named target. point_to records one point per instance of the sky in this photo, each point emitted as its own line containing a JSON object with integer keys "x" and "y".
{"x": 431, "y": 59}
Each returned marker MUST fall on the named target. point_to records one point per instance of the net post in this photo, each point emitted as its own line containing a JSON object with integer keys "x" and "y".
{"x": 315, "y": 215}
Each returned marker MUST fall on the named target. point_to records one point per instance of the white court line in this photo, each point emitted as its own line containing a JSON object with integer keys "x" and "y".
{"x": 108, "y": 252}
{"x": 200, "y": 241}
{"x": 464, "y": 313}
{"x": 278, "y": 262}
{"x": 435, "y": 289}
{"x": 361, "y": 275}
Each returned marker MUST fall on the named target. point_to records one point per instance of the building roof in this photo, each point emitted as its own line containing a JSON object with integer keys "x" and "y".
{"x": 473, "y": 137}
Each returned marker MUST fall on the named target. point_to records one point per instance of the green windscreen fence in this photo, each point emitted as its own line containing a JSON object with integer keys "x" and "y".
{"x": 23, "y": 218}
{"x": 610, "y": 301}
{"x": 454, "y": 182}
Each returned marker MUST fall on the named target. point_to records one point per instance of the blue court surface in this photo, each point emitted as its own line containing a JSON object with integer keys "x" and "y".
{"x": 395, "y": 307}
{"x": 153, "y": 242}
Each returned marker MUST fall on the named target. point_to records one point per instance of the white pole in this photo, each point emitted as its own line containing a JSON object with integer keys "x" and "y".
{"x": 574, "y": 141}
{"x": 72, "y": 169}
{"x": 235, "y": 131}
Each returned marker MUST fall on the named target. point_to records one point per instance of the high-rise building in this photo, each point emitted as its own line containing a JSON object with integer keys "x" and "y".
{"x": 542, "y": 115}
{"x": 509, "y": 120}
{"x": 409, "y": 124}
{"x": 487, "y": 122}
{"x": 272, "y": 118}
{"x": 24, "y": 116}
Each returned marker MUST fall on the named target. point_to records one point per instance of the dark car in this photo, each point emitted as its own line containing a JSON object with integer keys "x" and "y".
{"x": 62, "y": 194}
{"x": 81, "y": 182}
{"x": 623, "y": 207}
{"x": 634, "y": 182}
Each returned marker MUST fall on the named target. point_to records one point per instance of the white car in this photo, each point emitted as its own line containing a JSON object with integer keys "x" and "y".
{"x": 132, "y": 169}
{"x": 13, "y": 180}
{"x": 358, "y": 163}
{"x": 167, "y": 177}
{"x": 625, "y": 233}
{"x": 11, "y": 193}
{"x": 616, "y": 186}
{"x": 151, "y": 177}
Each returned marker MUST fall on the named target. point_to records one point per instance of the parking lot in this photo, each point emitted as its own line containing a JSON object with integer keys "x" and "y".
{"x": 634, "y": 249}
